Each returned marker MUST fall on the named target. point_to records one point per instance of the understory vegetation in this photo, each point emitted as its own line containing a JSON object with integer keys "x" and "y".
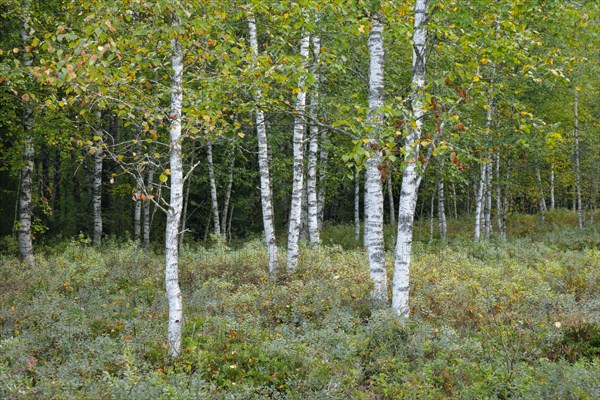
{"x": 516, "y": 318}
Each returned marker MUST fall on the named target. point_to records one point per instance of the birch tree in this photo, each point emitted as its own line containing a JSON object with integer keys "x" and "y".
{"x": 98, "y": 157}
{"x": 410, "y": 176}
{"x": 213, "y": 189}
{"x": 298, "y": 166}
{"x": 26, "y": 192}
{"x": 313, "y": 149}
{"x": 266, "y": 193}
{"x": 176, "y": 197}
{"x": 373, "y": 186}
{"x": 577, "y": 159}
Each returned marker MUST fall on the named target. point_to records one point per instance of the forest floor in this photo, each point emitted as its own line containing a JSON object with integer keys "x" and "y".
{"x": 516, "y": 318}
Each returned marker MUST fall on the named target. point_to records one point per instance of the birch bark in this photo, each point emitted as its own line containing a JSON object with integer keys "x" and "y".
{"x": 147, "y": 203}
{"x": 266, "y": 192}
{"x": 391, "y": 200}
{"x": 373, "y": 185}
{"x": 298, "y": 177}
{"x": 97, "y": 184}
{"x": 479, "y": 201}
{"x": 552, "y": 203}
{"x": 322, "y": 178}
{"x": 410, "y": 177}
{"x": 227, "y": 198}
{"x": 26, "y": 192}
{"x": 357, "y": 205}
{"x": 577, "y": 161}
{"x": 542, "y": 199}
{"x": 213, "y": 189}
{"x": 442, "y": 210}
{"x": 313, "y": 149}
{"x": 186, "y": 200}
{"x": 137, "y": 206}
{"x": 175, "y": 201}
{"x": 488, "y": 200}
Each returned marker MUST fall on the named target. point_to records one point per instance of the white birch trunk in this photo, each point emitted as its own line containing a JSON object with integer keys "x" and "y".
{"x": 373, "y": 186}
{"x": 313, "y": 149}
{"x": 577, "y": 161}
{"x": 213, "y": 189}
{"x": 499, "y": 207}
{"x": 357, "y": 205}
{"x": 454, "y": 203}
{"x": 227, "y": 198}
{"x": 175, "y": 202}
{"x": 552, "y": 202}
{"x": 266, "y": 193}
{"x": 322, "y": 178}
{"x": 186, "y": 200}
{"x": 298, "y": 177}
{"x": 137, "y": 216}
{"x": 488, "y": 200}
{"x": 26, "y": 190}
{"x": 391, "y": 200}
{"x": 542, "y": 199}
{"x": 442, "y": 210}
{"x": 482, "y": 199}
{"x": 137, "y": 205}
{"x": 431, "y": 214}
{"x": 97, "y": 185}
{"x": 147, "y": 203}
{"x": 410, "y": 177}
{"x": 479, "y": 201}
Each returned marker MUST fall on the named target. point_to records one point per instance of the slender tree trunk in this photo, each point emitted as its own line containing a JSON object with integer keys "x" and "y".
{"x": 26, "y": 193}
{"x": 298, "y": 178}
{"x": 45, "y": 182}
{"x": 213, "y": 189}
{"x": 97, "y": 183}
{"x": 26, "y": 189}
{"x": 454, "y": 203}
{"x": 304, "y": 234}
{"x": 481, "y": 200}
{"x": 137, "y": 216}
{"x": 442, "y": 210}
{"x": 357, "y": 205}
{"x": 147, "y": 203}
{"x": 227, "y": 198}
{"x": 56, "y": 185}
{"x": 499, "y": 208}
{"x": 175, "y": 201}
{"x": 431, "y": 215}
{"x": 313, "y": 149}
{"x": 229, "y": 224}
{"x": 137, "y": 206}
{"x": 479, "y": 203}
{"x": 374, "y": 213}
{"x": 391, "y": 200}
{"x": 505, "y": 202}
{"x": 410, "y": 176}
{"x": 577, "y": 163}
{"x": 488, "y": 200}
{"x": 322, "y": 178}
{"x": 542, "y": 198}
{"x": 263, "y": 162}
{"x": 552, "y": 202}
{"x": 186, "y": 199}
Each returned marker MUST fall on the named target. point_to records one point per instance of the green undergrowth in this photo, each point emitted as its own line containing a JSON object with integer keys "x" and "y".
{"x": 516, "y": 318}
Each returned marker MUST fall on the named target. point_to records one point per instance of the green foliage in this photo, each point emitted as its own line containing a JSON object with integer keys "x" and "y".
{"x": 499, "y": 319}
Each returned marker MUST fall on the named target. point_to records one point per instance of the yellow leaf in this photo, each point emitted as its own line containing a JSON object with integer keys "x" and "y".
{"x": 296, "y": 90}
{"x": 476, "y": 78}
